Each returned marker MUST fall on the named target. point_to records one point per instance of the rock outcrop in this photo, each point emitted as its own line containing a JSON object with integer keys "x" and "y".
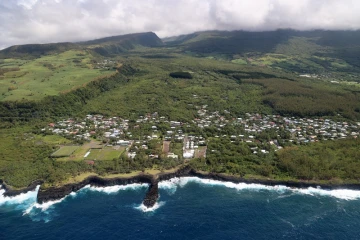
{"x": 55, "y": 193}
{"x": 9, "y": 192}
{"x": 152, "y": 195}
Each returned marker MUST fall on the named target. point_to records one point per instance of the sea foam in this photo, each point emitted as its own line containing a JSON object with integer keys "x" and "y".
{"x": 115, "y": 189}
{"x": 24, "y": 199}
{"x": 171, "y": 186}
{"x": 143, "y": 208}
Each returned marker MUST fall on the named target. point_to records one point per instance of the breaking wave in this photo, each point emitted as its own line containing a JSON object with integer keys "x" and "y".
{"x": 43, "y": 207}
{"x": 26, "y": 202}
{"x": 115, "y": 189}
{"x": 143, "y": 208}
{"x": 22, "y": 200}
{"x": 173, "y": 184}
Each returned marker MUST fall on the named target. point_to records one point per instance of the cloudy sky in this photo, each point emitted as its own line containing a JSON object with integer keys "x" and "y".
{"x": 42, "y": 21}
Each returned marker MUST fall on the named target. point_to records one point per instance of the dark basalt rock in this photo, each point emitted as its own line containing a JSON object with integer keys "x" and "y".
{"x": 152, "y": 195}
{"x": 55, "y": 193}
{"x": 9, "y": 192}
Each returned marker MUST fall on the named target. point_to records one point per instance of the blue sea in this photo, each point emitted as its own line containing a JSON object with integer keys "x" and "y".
{"x": 188, "y": 208}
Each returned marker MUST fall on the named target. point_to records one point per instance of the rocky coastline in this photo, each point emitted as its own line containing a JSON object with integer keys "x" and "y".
{"x": 152, "y": 195}
{"x": 10, "y": 192}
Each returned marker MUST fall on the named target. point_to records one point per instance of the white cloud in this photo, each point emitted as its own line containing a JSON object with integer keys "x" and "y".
{"x": 40, "y": 21}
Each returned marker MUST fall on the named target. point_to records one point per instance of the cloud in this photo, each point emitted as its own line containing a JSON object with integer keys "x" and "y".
{"x": 41, "y": 21}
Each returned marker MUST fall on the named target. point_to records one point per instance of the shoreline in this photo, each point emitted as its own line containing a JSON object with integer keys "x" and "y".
{"x": 56, "y": 193}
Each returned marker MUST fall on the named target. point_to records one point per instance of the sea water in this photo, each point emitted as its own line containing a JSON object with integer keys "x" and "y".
{"x": 188, "y": 208}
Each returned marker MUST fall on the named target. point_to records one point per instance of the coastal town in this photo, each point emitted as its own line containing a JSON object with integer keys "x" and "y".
{"x": 154, "y": 136}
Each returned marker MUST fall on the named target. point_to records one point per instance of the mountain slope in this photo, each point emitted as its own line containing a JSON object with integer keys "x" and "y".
{"x": 120, "y": 44}
{"x": 315, "y": 51}
{"x": 36, "y": 50}
{"x": 103, "y": 46}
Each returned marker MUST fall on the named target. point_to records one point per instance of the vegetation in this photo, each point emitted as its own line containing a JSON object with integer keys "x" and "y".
{"x": 335, "y": 161}
{"x": 64, "y": 151}
{"x": 185, "y": 75}
{"x": 231, "y": 72}
{"x": 48, "y": 75}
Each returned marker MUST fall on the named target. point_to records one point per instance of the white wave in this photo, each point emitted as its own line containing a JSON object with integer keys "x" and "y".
{"x": 117, "y": 188}
{"x": 43, "y": 207}
{"x": 345, "y": 194}
{"x": 172, "y": 184}
{"x": 143, "y": 208}
{"x": 109, "y": 190}
{"x": 21, "y": 199}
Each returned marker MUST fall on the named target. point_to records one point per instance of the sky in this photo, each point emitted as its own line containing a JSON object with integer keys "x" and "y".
{"x": 44, "y": 21}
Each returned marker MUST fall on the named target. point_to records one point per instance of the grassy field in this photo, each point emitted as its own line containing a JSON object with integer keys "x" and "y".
{"x": 104, "y": 154}
{"x": 65, "y": 151}
{"x": 79, "y": 153}
{"x": 239, "y": 61}
{"x": 48, "y": 75}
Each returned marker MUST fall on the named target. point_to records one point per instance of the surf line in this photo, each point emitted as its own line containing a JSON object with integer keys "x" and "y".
{"x": 55, "y": 193}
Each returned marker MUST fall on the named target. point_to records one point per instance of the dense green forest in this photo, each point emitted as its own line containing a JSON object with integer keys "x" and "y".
{"x": 260, "y": 75}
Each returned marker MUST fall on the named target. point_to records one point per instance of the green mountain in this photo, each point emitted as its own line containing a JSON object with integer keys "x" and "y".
{"x": 36, "y": 50}
{"x": 120, "y": 44}
{"x": 313, "y": 51}
{"x": 103, "y": 46}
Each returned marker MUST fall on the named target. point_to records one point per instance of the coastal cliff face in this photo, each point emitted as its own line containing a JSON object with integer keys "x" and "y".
{"x": 55, "y": 193}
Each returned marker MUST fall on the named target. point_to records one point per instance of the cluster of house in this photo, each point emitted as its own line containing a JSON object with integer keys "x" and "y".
{"x": 116, "y": 130}
{"x": 105, "y": 64}
{"x": 301, "y": 130}
{"x": 92, "y": 125}
{"x": 297, "y": 130}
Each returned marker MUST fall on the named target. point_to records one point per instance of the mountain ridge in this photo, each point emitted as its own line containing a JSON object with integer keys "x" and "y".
{"x": 103, "y": 46}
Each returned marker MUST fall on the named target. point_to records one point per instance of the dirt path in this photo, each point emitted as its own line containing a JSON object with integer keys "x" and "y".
{"x": 166, "y": 147}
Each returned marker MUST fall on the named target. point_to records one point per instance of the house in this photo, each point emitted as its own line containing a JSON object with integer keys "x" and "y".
{"x": 172, "y": 155}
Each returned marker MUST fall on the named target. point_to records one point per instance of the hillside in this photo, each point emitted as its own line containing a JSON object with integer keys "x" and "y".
{"x": 120, "y": 44}
{"x": 240, "y": 98}
{"x": 296, "y": 51}
{"x": 31, "y": 51}
{"x": 32, "y": 72}
{"x": 103, "y": 46}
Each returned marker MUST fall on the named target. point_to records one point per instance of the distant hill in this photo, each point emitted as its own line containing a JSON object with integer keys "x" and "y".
{"x": 242, "y": 41}
{"x": 344, "y": 45}
{"x": 119, "y": 44}
{"x": 104, "y": 46}
{"x": 36, "y": 50}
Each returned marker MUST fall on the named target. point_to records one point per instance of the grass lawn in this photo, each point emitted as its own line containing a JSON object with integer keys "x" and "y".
{"x": 65, "y": 151}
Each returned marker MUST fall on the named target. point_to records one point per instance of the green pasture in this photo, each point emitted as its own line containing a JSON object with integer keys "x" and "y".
{"x": 47, "y": 76}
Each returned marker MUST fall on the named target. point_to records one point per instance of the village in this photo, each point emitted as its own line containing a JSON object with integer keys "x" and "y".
{"x": 153, "y": 136}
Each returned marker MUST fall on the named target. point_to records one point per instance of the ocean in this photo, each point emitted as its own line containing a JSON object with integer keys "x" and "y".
{"x": 188, "y": 208}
